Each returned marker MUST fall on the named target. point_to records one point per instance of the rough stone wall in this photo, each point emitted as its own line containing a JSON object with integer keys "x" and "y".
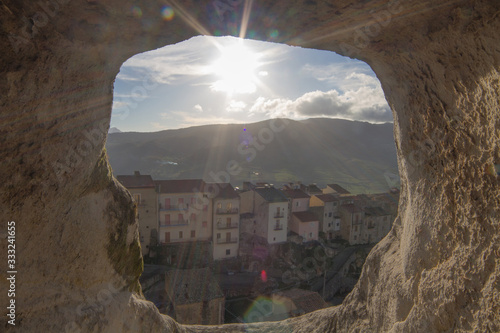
{"x": 77, "y": 253}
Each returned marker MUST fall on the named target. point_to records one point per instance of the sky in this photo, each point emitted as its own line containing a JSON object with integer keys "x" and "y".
{"x": 222, "y": 80}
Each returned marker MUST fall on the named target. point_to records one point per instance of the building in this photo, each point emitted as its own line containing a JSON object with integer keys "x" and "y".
{"x": 326, "y": 207}
{"x": 185, "y": 212}
{"x": 269, "y": 207}
{"x": 305, "y": 224}
{"x": 351, "y": 223}
{"x": 335, "y": 189}
{"x": 195, "y": 297}
{"x": 142, "y": 188}
{"x": 295, "y": 302}
{"x": 377, "y": 223}
{"x": 226, "y": 220}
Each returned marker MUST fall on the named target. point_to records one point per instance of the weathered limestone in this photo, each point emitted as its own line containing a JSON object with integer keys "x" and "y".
{"x": 78, "y": 258}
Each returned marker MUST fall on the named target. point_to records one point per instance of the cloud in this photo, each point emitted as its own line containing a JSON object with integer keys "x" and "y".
{"x": 365, "y": 104}
{"x": 198, "y": 108}
{"x": 236, "y": 106}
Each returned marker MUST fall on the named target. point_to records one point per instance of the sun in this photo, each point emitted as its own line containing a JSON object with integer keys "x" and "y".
{"x": 235, "y": 69}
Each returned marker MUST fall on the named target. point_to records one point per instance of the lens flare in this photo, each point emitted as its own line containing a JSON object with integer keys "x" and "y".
{"x": 136, "y": 11}
{"x": 167, "y": 13}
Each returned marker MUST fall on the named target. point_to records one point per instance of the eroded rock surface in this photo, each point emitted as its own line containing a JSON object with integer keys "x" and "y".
{"x": 78, "y": 259}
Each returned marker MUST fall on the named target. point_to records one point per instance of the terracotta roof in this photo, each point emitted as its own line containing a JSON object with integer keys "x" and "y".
{"x": 180, "y": 185}
{"x": 185, "y": 286}
{"x": 326, "y": 197}
{"x": 306, "y": 216}
{"x": 305, "y": 300}
{"x": 339, "y": 189}
{"x": 296, "y": 194}
{"x": 136, "y": 181}
{"x": 271, "y": 194}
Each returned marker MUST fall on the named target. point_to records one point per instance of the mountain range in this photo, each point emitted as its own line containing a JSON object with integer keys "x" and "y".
{"x": 357, "y": 155}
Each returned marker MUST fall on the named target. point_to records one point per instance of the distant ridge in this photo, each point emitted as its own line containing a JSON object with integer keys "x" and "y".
{"x": 114, "y": 130}
{"x": 356, "y": 155}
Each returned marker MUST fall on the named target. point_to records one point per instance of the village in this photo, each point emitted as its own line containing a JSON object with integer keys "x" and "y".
{"x": 216, "y": 254}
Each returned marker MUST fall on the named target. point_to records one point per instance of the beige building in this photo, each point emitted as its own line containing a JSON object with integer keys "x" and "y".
{"x": 326, "y": 207}
{"x": 142, "y": 188}
{"x": 195, "y": 296}
{"x": 269, "y": 207}
{"x": 305, "y": 224}
{"x": 351, "y": 223}
{"x": 226, "y": 221}
{"x": 185, "y": 211}
{"x": 377, "y": 223}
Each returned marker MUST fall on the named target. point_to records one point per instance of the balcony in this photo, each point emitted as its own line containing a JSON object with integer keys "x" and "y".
{"x": 278, "y": 227}
{"x": 222, "y": 226}
{"x": 172, "y": 208}
{"x": 279, "y": 215}
{"x": 222, "y": 211}
{"x": 227, "y": 240}
{"x": 174, "y": 223}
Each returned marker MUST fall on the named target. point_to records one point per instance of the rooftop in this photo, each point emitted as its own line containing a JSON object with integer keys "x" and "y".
{"x": 351, "y": 208}
{"x": 296, "y": 194}
{"x": 305, "y": 300}
{"x": 339, "y": 189}
{"x": 270, "y": 194}
{"x": 376, "y": 211}
{"x": 326, "y": 197}
{"x": 186, "y": 286}
{"x": 180, "y": 185}
{"x": 223, "y": 190}
{"x": 136, "y": 180}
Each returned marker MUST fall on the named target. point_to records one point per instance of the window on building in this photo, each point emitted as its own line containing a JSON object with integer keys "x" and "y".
{"x": 218, "y": 236}
{"x": 167, "y": 237}
{"x": 204, "y": 224}
{"x": 310, "y": 235}
{"x": 205, "y": 208}
{"x": 219, "y": 205}
{"x": 193, "y": 217}
{"x": 355, "y": 237}
{"x": 329, "y": 224}
{"x": 330, "y": 214}
{"x": 193, "y": 200}
{"x": 228, "y": 252}
{"x": 180, "y": 202}
{"x": 193, "y": 233}
{"x": 228, "y": 221}
{"x": 229, "y": 206}
{"x": 274, "y": 238}
{"x": 167, "y": 219}
{"x": 180, "y": 234}
{"x": 326, "y": 214}
{"x": 297, "y": 204}
{"x": 355, "y": 228}
{"x": 180, "y": 217}
{"x": 167, "y": 203}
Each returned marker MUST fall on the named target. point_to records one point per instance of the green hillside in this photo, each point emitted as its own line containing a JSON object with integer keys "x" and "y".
{"x": 353, "y": 154}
